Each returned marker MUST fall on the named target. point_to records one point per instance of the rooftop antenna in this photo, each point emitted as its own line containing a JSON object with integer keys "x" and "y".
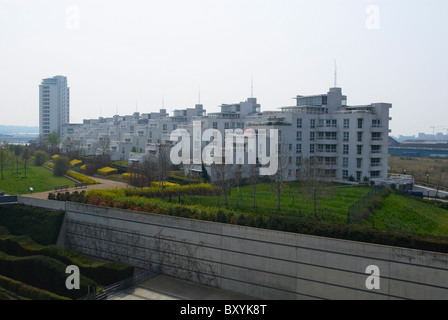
{"x": 251, "y": 87}
{"x": 335, "y": 74}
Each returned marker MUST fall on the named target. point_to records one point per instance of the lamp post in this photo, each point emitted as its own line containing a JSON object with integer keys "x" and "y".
{"x": 427, "y": 178}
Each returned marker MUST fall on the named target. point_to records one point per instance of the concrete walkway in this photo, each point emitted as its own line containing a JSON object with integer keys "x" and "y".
{"x": 103, "y": 184}
{"x": 163, "y": 287}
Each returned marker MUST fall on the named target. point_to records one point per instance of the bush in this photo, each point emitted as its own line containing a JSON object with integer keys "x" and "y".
{"x": 104, "y": 273}
{"x": 61, "y": 166}
{"x": 82, "y": 178}
{"x": 26, "y": 291}
{"x": 107, "y": 171}
{"x": 75, "y": 162}
{"x": 40, "y": 157}
{"x": 42, "y": 272}
{"x": 42, "y": 225}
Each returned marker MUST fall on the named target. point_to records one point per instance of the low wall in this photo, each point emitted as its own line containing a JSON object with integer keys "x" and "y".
{"x": 256, "y": 262}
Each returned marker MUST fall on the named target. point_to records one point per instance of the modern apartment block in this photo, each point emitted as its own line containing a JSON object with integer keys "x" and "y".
{"x": 350, "y": 142}
{"x": 54, "y": 105}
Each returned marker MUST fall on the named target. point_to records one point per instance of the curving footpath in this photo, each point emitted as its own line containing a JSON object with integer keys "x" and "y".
{"x": 103, "y": 184}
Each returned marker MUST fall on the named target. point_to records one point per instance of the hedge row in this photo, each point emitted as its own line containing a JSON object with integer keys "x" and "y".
{"x": 116, "y": 199}
{"x": 81, "y": 178}
{"x": 200, "y": 189}
{"x": 42, "y": 272}
{"x": 104, "y": 273}
{"x": 42, "y": 225}
{"x": 182, "y": 180}
{"x": 27, "y": 291}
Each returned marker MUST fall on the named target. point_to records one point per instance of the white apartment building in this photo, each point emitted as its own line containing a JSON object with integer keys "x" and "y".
{"x": 54, "y": 105}
{"x": 350, "y": 142}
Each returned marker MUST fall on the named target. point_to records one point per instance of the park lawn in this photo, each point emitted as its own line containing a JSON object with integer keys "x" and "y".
{"x": 39, "y": 178}
{"x": 333, "y": 207}
{"x": 398, "y": 212}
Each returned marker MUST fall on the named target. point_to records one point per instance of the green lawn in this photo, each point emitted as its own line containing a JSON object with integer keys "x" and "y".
{"x": 333, "y": 207}
{"x": 39, "y": 178}
{"x": 399, "y": 212}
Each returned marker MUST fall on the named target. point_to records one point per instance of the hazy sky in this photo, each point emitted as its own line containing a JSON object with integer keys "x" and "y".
{"x": 132, "y": 55}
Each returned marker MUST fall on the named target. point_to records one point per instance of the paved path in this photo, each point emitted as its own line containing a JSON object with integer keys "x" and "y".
{"x": 103, "y": 184}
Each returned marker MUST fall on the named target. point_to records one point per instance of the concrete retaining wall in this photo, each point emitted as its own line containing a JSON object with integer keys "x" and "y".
{"x": 261, "y": 263}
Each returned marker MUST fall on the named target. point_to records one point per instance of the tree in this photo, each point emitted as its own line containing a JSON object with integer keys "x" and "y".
{"x": 315, "y": 181}
{"x": 40, "y": 157}
{"x": 53, "y": 140}
{"x": 223, "y": 177}
{"x": 17, "y": 149}
{"x": 4, "y": 153}
{"x": 26, "y": 155}
{"x": 61, "y": 166}
{"x": 163, "y": 165}
{"x": 281, "y": 176}
{"x": 253, "y": 179}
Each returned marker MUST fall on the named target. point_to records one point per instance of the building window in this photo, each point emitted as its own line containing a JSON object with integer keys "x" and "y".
{"x": 346, "y": 123}
{"x": 311, "y": 148}
{"x": 376, "y": 123}
{"x": 299, "y": 135}
{"x": 376, "y": 136}
{"x": 345, "y": 174}
{"x": 359, "y": 163}
{"x": 359, "y": 136}
{"x": 299, "y": 123}
{"x": 215, "y": 125}
{"x": 346, "y": 149}
{"x": 360, "y": 123}
{"x": 375, "y": 174}
{"x": 345, "y": 162}
{"x": 376, "y": 149}
{"x": 313, "y": 123}
{"x": 375, "y": 162}
{"x": 312, "y": 135}
{"x": 358, "y": 175}
{"x": 359, "y": 148}
{"x": 346, "y": 136}
{"x": 298, "y": 148}
{"x": 226, "y": 125}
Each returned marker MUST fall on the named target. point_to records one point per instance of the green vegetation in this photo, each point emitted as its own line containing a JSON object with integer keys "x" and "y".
{"x": 40, "y": 224}
{"x": 32, "y": 267}
{"x": 400, "y": 212}
{"x": 39, "y": 178}
{"x": 424, "y": 169}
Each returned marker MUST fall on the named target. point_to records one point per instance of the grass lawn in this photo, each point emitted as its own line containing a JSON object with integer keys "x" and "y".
{"x": 333, "y": 207}
{"x": 399, "y": 212}
{"x": 420, "y": 166}
{"x": 39, "y": 178}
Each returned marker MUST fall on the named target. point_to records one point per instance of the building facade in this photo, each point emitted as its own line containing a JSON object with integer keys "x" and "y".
{"x": 54, "y": 105}
{"x": 349, "y": 142}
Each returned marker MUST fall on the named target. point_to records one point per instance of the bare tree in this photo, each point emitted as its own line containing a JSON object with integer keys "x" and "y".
{"x": 163, "y": 165}
{"x": 253, "y": 178}
{"x": 26, "y": 156}
{"x": 281, "y": 176}
{"x": 223, "y": 177}
{"x": 4, "y": 153}
{"x": 315, "y": 181}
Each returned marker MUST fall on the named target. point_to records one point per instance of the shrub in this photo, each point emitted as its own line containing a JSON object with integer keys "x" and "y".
{"x": 107, "y": 170}
{"x": 75, "y": 162}
{"x": 61, "y": 166}
{"x": 42, "y": 272}
{"x": 82, "y": 178}
{"x": 26, "y": 291}
{"x": 42, "y": 225}
{"x": 40, "y": 157}
{"x": 105, "y": 273}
